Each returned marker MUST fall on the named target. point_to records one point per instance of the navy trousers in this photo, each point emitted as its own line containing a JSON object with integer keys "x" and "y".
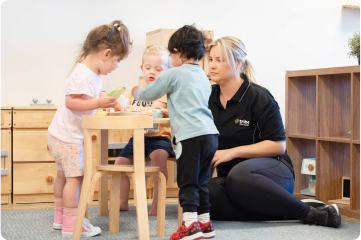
{"x": 255, "y": 189}
{"x": 194, "y": 158}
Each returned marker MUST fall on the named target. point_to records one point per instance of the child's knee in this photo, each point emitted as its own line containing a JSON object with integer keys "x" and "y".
{"x": 159, "y": 161}
{"x": 60, "y": 176}
{"x": 74, "y": 180}
{"x": 123, "y": 161}
{"x": 159, "y": 156}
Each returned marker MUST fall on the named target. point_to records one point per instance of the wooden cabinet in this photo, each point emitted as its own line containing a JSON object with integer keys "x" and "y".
{"x": 162, "y": 36}
{"x": 31, "y": 146}
{"x": 34, "y": 169}
{"x": 323, "y": 121}
{"x": 6, "y": 155}
{"x": 33, "y": 182}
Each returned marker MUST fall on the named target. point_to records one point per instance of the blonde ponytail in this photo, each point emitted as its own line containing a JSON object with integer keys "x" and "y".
{"x": 248, "y": 70}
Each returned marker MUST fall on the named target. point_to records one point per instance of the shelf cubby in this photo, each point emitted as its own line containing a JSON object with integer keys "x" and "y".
{"x": 302, "y": 102}
{"x": 323, "y": 121}
{"x": 298, "y": 149}
{"x": 334, "y": 111}
{"x": 333, "y": 164}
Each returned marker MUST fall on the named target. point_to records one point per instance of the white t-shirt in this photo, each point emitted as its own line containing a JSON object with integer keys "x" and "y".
{"x": 66, "y": 124}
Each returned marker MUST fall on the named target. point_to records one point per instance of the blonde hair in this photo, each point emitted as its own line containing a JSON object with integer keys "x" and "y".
{"x": 114, "y": 36}
{"x": 235, "y": 51}
{"x": 158, "y": 50}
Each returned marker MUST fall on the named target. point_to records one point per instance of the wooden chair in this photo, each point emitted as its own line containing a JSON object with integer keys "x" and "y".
{"x": 150, "y": 183}
{"x": 138, "y": 171}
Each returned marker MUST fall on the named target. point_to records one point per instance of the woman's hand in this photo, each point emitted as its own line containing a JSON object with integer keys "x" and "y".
{"x": 119, "y": 107}
{"x": 266, "y": 148}
{"x": 222, "y": 156}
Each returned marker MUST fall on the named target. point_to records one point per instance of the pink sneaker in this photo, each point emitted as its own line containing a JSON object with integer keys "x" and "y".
{"x": 87, "y": 231}
{"x": 58, "y": 218}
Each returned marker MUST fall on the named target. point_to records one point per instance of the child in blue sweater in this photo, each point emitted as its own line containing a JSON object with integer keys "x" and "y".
{"x": 194, "y": 133}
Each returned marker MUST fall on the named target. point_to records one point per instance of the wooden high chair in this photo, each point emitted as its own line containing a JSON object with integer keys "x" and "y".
{"x": 138, "y": 171}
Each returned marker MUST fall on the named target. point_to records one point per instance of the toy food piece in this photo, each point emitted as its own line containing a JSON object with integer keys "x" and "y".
{"x": 133, "y": 110}
{"x": 149, "y": 112}
{"x": 116, "y": 93}
{"x": 124, "y": 113}
{"x": 103, "y": 113}
{"x": 156, "y": 113}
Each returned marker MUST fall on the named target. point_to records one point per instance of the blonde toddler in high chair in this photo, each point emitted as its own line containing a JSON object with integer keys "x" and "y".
{"x": 158, "y": 146}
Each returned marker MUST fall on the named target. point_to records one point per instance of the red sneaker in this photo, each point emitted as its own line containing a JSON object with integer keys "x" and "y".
{"x": 193, "y": 232}
{"x": 207, "y": 229}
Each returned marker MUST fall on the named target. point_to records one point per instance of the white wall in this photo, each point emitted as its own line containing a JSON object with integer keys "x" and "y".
{"x": 40, "y": 38}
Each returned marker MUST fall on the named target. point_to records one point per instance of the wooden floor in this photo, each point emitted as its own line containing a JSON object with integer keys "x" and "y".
{"x": 15, "y": 207}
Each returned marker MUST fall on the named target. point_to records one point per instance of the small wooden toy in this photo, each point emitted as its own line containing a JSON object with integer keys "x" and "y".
{"x": 309, "y": 167}
{"x": 116, "y": 93}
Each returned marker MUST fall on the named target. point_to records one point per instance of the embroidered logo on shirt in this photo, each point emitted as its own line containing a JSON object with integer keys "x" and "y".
{"x": 243, "y": 122}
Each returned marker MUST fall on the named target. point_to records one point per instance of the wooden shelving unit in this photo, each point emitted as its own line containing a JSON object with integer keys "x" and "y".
{"x": 351, "y": 4}
{"x": 323, "y": 121}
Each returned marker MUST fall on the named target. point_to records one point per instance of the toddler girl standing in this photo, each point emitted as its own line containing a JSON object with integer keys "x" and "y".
{"x": 102, "y": 50}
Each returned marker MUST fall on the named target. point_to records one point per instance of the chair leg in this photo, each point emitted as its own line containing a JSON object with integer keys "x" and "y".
{"x": 162, "y": 182}
{"x": 180, "y": 214}
{"x": 134, "y": 195}
{"x": 114, "y": 203}
{"x": 150, "y": 188}
{"x": 95, "y": 178}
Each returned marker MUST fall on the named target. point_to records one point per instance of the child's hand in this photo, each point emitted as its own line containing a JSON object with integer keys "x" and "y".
{"x": 165, "y": 112}
{"x": 119, "y": 107}
{"x": 133, "y": 89}
{"x": 105, "y": 101}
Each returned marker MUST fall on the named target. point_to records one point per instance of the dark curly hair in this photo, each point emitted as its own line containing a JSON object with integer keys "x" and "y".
{"x": 188, "y": 41}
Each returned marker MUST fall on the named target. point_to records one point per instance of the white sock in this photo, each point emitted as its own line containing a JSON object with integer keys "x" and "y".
{"x": 189, "y": 218}
{"x": 204, "y": 218}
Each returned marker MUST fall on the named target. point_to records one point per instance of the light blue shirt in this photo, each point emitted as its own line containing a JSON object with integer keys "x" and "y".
{"x": 188, "y": 90}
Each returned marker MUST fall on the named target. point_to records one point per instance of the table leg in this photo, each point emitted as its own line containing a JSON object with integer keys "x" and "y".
{"x": 103, "y": 183}
{"x": 139, "y": 185}
{"x": 83, "y": 201}
{"x": 114, "y": 203}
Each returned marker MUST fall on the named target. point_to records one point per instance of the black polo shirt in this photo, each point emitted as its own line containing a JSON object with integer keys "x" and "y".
{"x": 251, "y": 116}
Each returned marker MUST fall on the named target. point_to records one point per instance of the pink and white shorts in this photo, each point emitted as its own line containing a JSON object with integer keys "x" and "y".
{"x": 69, "y": 157}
